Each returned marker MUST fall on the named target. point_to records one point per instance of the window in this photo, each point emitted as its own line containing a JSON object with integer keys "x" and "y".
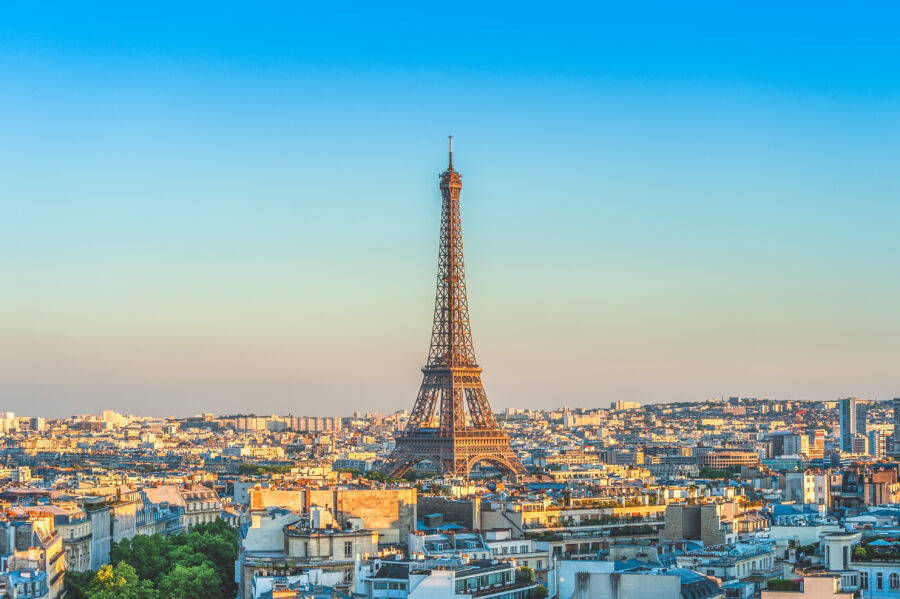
{"x": 864, "y": 580}
{"x": 894, "y": 581}
{"x": 540, "y": 564}
{"x": 879, "y": 584}
{"x": 348, "y": 548}
{"x": 380, "y": 585}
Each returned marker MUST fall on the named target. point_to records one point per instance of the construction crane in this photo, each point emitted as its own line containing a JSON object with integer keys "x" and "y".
{"x": 800, "y": 414}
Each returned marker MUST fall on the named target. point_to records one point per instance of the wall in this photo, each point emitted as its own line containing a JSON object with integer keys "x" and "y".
{"x": 462, "y": 511}
{"x": 819, "y": 588}
{"x": 260, "y": 499}
{"x": 124, "y": 520}
{"x": 567, "y": 571}
{"x": 438, "y": 584}
{"x": 100, "y": 537}
{"x": 625, "y": 586}
{"x": 265, "y": 532}
{"x": 803, "y": 535}
{"x": 390, "y": 512}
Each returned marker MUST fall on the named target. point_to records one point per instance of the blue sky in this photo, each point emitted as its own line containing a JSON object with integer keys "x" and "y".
{"x": 234, "y": 208}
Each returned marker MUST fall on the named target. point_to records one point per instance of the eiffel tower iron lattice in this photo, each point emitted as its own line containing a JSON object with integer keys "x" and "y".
{"x": 440, "y": 428}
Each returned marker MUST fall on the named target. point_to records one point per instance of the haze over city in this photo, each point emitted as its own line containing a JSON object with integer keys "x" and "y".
{"x": 236, "y": 211}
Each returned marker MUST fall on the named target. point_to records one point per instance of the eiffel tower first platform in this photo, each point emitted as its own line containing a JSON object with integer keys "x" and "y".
{"x": 452, "y": 424}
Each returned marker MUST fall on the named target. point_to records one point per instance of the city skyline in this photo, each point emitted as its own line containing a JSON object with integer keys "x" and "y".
{"x": 195, "y": 223}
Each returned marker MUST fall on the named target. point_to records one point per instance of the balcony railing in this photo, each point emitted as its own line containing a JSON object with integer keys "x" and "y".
{"x": 502, "y": 588}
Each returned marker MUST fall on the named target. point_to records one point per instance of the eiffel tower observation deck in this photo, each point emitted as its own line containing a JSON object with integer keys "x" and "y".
{"x": 452, "y": 424}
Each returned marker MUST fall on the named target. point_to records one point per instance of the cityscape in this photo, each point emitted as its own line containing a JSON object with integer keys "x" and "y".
{"x": 229, "y": 216}
{"x": 732, "y": 496}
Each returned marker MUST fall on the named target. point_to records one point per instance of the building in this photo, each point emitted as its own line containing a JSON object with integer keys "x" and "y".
{"x": 195, "y": 504}
{"x": 712, "y": 523}
{"x": 859, "y": 445}
{"x": 444, "y": 578}
{"x": 785, "y": 443}
{"x": 800, "y": 487}
{"x": 389, "y": 512}
{"x": 750, "y": 563}
{"x": 877, "y": 443}
{"x": 305, "y": 424}
{"x": 896, "y": 417}
{"x": 720, "y": 459}
{"x": 816, "y": 444}
{"x": 74, "y": 527}
{"x": 528, "y": 553}
{"x": 33, "y": 556}
{"x": 587, "y": 579}
{"x": 853, "y": 420}
{"x": 826, "y": 586}
{"x": 287, "y": 543}
{"x": 624, "y": 405}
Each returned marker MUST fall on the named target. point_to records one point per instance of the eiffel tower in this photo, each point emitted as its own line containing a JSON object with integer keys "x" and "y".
{"x": 453, "y": 439}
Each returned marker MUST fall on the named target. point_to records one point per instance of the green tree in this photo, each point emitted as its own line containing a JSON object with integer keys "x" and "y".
{"x": 191, "y": 582}
{"x": 119, "y": 582}
{"x": 221, "y": 551}
{"x": 538, "y": 592}
{"x": 216, "y": 542}
{"x": 149, "y": 555}
{"x": 524, "y": 574}
{"x": 77, "y": 584}
{"x": 148, "y": 563}
{"x": 184, "y": 555}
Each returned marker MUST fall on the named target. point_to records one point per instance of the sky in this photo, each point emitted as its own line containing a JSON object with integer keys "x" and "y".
{"x": 233, "y": 207}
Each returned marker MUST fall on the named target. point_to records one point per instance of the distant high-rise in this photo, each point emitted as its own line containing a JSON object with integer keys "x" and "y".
{"x": 817, "y": 444}
{"x": 624, "y": 405}
{"x": 862, "y": 417}
{"x": 877, "y": 443}
{"x": 854, "y": 421}
{"x": 896, "y": 404}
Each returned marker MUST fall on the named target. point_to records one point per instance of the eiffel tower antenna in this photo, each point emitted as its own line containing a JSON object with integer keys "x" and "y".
{"x": 452, "y": 424}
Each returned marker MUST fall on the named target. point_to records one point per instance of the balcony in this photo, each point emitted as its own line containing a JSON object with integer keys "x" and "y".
{"x": 502, "y": 588}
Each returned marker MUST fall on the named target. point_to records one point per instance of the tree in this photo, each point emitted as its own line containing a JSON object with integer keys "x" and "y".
{"x": 191, "y": 582}
{"x": 217, "y": 542}
{"x": 196, "y": 565}
{"x": 119, "y": 582}
{"x": 149, "y": 555}
{"x": 77, "y": 584}
{"x": 185, "y": 555}
{"x": 538, "y": 592}
{"x": 525, "y": 574}
{"x": 219, "y": 550}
